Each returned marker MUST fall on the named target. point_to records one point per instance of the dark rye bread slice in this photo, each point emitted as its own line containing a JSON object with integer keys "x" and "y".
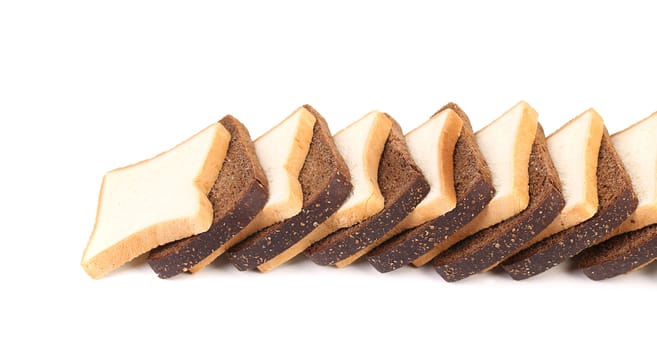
{"x": 487, "y": 248}
{"x": 474, "y": 189}
{"x": 238, "y": 194}
{"x": 326, "y": 184}
{"x": 619, "y": 255}
{"x": 403, "y": 187}
{"x": 616, "y": 201}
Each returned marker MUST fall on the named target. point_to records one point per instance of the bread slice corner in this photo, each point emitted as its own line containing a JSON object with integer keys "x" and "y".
{"x": 145, "y": 205}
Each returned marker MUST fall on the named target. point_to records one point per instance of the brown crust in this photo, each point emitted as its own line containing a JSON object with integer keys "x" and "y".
{"x": 474, "y": 189}
{"x": 238, "y": 194}
{"x": 325, "y": 181}
{"x": 402, "y": 185}
{"x": 490, "y": 246}
{"x": 617, "y": 201}
{"x": 619, "y": 255}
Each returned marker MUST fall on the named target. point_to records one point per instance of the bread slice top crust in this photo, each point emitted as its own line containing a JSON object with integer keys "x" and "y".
{"x": 156, "y": 201}
{"x": 324, "y": 179}
{"x": 403, "y": 186}
{"x": 282, "y": 151}
{"x": 574, "y": 149}
{"x": 488, "y": 247}
{"x": 637, "y": 148}
{"x": 237, "y": 196}
{"x": 506, "y": 144}
{"x": 432, "y": 147}
{"x": 474, "y": 189}
{"x": 360, "y": 145}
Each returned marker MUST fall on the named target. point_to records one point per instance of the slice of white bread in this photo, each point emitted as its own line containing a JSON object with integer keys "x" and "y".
{"x": 506, "y": 144}
{"x": 281, "y": 151}
{"x": 432, "y": 147}
{"x": 574, "y": 150}
{"x": 156, "y": 201}
{"x": 637, "y": 148}
{"x": 360, "y": 145}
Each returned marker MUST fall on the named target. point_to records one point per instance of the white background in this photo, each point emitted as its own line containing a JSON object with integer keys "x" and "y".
{"x": 87, "y": 87}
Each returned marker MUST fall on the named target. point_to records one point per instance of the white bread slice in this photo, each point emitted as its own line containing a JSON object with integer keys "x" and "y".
{"x": 637, "y": 148}
{"x": 574, "y": 150}
{"x": 432, "y": 147}
{"x": 156, "y": 201}
{"x": 361, "y": 145}
{"x": 506, "y": 144}
{"x": 281, "y": 151}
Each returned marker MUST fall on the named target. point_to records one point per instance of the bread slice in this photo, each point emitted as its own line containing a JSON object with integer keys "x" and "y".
{"x": 636, "y": 245}
{"x": 403, "y": 187}
{"x": 619, "y": 255}
{"x": 616, "y": 202}
{"x": 488, "y": 247}
{"x": 637, "y": 148}
{"x": 239, "y": 193}
{"x": 360, "y": 145}
{"x": 574, "y": 149}
{"x": 282, "y": 151}
{"x": 325, "y": 182}
{"x": 506, "y": 144}
{"x": 156, "y": 201}
{"x": 474, "y": 189}
{"x": 432, "y": 148}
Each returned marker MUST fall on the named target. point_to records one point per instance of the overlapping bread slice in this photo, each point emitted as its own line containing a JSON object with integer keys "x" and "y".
{"x": 635, "y": 244}
{"x": 238, "y": 195}
{"x": 360, "y": 145}
{"x": 403, "y": 187}
{"x": 616, "y": 201}
{"x": 488, "y": 247}
{"x": 325, "y": 184}
{"x": 156, "y": 201}
{"x": 506, "y": 144}
{"x": 575, "y": 149}
{"x": 469, "y": 190}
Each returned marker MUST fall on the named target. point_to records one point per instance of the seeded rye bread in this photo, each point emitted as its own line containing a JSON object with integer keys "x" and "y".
{"x": 402, "y": 185}
{"x": 622, "y": 254}
{"x": 617, "y": 201}
{"x": 474, "y": 189}
{"x": 237, "y": 196}
{"x": 487, "y": 248}
{"x": 325, "y": 182}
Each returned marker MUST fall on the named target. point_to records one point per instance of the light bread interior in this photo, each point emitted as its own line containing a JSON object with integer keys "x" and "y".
{"x": 281, "y": 152}
{"x": 361, "y": 145}
{"x": 574, "y": 150}
{"x": 156, "y": 201}
{"x": 637, "y": 148}
{"x": 506, "y": 144}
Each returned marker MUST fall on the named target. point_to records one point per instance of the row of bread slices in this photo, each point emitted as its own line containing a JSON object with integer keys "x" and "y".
{"x": 465, "y": 202}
